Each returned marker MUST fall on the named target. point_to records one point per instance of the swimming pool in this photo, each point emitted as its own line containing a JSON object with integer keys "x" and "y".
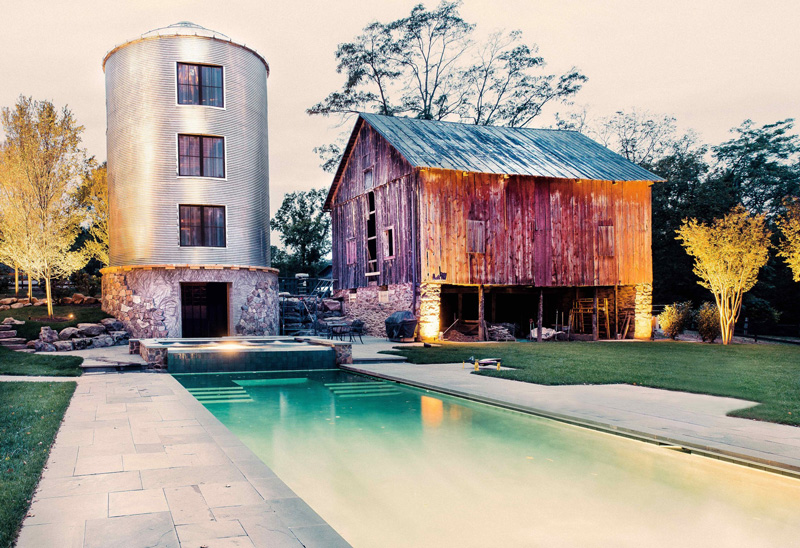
{"x": 389, "y": 465}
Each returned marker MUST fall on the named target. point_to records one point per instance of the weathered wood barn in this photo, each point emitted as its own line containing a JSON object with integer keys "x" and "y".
{"x": 469, "y": 226}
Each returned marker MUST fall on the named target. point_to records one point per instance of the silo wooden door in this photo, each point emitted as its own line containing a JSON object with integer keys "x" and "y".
{"x": 204, "y": 308}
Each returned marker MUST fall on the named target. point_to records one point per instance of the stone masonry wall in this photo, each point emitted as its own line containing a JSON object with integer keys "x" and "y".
{"x": 147, "y": 300}
{"x": 373, "y": 305}
{"x": 644, "y": 311}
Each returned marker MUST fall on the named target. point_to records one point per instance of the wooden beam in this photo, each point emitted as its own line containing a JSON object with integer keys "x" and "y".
{"x": 481, "y": 314}
{"x": 595, "y": 329}
{"x": 616, "y": 311}
{"x": 539, "y": 319}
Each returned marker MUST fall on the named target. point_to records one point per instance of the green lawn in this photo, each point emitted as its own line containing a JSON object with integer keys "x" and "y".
{"x": 768, "y": 374}
{"x": 30, "y": 415}
{"x": 50, "y": 364}
{"x": 36, "y": 316}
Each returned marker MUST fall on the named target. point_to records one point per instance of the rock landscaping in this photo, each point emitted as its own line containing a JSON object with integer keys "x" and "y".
{"x": 109, "y": 332}
{"x": 8, "y": 335}
{"x": 16, "y": 303}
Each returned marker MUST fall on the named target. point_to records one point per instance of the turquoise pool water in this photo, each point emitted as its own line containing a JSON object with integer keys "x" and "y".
{"x": 388, "y": 465}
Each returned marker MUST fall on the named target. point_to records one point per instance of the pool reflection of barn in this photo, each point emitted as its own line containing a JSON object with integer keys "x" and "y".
{"x": 472, "y": 225}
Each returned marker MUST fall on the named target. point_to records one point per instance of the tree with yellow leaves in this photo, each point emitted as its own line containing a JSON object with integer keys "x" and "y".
{"x": 728, "y": 253}
{"x": 789, "y": 247}
{"x": 93, "y": 195}
{"x": 45, "y": 161}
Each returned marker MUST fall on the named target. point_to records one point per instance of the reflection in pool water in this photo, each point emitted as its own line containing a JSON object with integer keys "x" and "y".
{"x": 387, "y": 465}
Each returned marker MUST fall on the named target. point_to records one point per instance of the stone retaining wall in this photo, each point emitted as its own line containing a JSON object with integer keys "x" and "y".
{"x": 147, "y": 299}
{"x": 374, "y": 304}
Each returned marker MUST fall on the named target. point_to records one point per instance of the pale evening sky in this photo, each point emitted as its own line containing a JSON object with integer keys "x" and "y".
{"x": 711, "y": 64}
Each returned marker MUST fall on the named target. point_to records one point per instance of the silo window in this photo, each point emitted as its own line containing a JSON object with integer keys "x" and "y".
{"x": 202, "y": 225}
{"x": 201, "y": 156}
{"x": 200, "y": 85}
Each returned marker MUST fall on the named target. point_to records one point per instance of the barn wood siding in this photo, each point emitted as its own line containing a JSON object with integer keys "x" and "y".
{"x": 541, "y": 232}
{"x": 394, "y": 182}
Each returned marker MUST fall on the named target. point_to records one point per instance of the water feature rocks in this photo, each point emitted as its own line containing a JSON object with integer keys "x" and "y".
{"x": 69, "y": 333}
{"x": 48, "y": 334}
{"x": 63, "y": 346}
{"x": 112, "y": 324}
{"x": 41, "y": 346}
{"x": 91, "y": 329}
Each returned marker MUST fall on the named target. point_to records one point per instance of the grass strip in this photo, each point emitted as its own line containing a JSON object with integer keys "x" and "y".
{"x": 30, "y": 414}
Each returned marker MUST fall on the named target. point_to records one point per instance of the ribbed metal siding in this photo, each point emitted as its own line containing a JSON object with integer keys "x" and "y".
{"x": 143, "y": 122}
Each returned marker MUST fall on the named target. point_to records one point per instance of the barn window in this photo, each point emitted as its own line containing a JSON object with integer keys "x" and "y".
{"x": 200, "y": 85}
{"x": 201, "y": 156}
{"x": 388, "y": 243}
{"x": 368, "y": 182}
{"x": 605, "y": 239}
{"x": 350, "y": 251}
{"x": 476, "y": 236}
{"x": 202, "y": 226}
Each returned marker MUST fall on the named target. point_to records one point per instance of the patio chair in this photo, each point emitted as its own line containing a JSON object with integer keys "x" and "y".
{"x": 357, "y": 330}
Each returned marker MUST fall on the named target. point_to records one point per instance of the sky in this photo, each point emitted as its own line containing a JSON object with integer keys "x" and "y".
{"x": 711, "y": 64}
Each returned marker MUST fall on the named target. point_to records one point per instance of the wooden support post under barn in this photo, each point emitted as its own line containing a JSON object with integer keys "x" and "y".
{"x": 429, "y": 216}
{"x": 540, "y": 316}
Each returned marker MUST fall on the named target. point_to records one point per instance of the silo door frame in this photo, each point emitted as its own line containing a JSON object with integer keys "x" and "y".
{"x": 204, "y": 309}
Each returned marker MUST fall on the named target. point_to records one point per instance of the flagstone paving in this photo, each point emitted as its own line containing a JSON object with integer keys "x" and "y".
{"x": 139, "y": 462}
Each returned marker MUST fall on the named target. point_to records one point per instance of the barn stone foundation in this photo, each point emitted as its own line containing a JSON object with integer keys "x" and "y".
{"x": 644, "y": 311}
{"x": 147, "y": 300}
{"x": 375, "y": 303}
{"x": 430, "y": 304}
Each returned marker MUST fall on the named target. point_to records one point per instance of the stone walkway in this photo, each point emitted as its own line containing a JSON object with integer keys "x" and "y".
{"x": 697, "y": 422}
{"x": 139, "y": 462}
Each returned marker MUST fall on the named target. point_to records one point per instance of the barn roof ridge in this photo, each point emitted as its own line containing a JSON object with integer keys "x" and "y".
{"x": 536, "y": 152}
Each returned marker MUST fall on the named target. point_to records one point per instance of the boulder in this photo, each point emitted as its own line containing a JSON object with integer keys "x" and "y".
{"x": 90, "y": 300}
{"x": 40, "y": 302}
{"x": 48, "y": 335}
{"x": 63, "y": 346}
{"x": 41, "y": 346}
{"x": 5, "y": 307}
{"x": 66, "y": 300}
{"x": 69, "y": 333}
{"x": 112, "y": 324}
{"x": 9, "y": 300}
{"x": 91, "y": 329}
{"x": 24, "y": 301}
{"x": 102, "y": 341}
{"x": 120, "y": 337}
{"x": 81, "y": 343}
{"x": 8, "y": 334}
{"x": 332, "y": 305}
{"x": 17, "y": 305}
{"x": 12, "y": 321}
{"x": 77, "y": 298}
{"x": 32, "y": 344}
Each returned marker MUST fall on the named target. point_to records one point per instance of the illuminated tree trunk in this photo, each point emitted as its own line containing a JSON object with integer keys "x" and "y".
{"x": 729, "y": 305}
{"x": 30, "y": 287}
{"x": 48, "y": 293}
{"x": 16, "y": 280}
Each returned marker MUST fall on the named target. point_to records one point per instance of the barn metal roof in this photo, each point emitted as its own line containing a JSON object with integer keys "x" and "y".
{"x": 505, "y": 150}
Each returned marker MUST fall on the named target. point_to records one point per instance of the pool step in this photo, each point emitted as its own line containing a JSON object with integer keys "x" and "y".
{"x": 362, "y": 389}
{"x": 221, "y": 394}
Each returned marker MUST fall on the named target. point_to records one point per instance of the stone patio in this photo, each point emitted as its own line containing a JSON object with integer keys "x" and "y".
{"x": 139, "y": 462}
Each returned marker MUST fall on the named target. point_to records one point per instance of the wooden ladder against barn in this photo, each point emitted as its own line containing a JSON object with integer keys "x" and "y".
{"x": 581, "y": 308}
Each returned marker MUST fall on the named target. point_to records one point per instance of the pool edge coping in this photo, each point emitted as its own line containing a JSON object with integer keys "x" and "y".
{"x": 732, "y": 457}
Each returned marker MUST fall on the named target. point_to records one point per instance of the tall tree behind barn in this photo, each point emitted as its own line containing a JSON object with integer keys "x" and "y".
{"x": 470, "y": 225}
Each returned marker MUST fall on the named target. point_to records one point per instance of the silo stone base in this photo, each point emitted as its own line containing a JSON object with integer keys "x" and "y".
{"x": 147, "y": 299}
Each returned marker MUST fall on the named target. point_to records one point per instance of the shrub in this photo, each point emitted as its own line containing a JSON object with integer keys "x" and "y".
{"x": 675, "y": 318}
{"x": 708, "y": 322}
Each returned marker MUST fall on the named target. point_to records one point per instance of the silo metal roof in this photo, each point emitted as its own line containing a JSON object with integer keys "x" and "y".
{"x": 505, "y": 150}
{"x": 184, "y": 28}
